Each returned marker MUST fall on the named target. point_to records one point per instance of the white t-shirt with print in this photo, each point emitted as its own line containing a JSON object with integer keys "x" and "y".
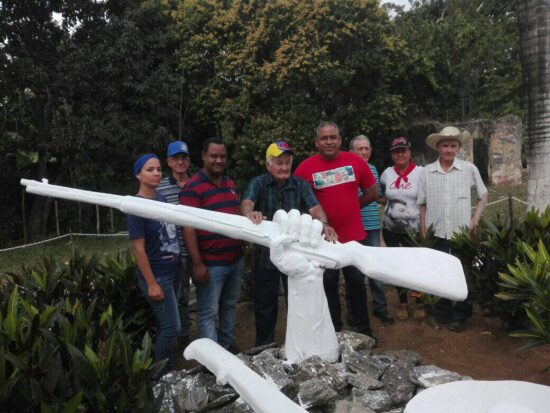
{"x": 401, "y": 212}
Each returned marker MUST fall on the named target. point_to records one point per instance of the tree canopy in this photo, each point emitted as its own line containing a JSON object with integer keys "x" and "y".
{"x": 86, "y": 86}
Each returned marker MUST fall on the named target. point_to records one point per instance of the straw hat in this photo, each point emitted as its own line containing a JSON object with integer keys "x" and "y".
{"x": 447, "y": 133}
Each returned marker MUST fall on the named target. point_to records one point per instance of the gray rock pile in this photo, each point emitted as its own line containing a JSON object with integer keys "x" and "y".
{"x": 360, "y": 382}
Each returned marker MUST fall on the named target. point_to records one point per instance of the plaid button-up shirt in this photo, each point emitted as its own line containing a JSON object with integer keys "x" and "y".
{"x": 268, "y": 197}
{"x": 448, "y": 195}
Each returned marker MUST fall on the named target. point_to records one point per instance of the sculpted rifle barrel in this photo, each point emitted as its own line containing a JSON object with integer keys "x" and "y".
{"x": 422, "y": 269}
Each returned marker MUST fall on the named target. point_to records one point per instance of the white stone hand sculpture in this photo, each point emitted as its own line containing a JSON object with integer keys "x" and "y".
{"x": 309, "y": 329}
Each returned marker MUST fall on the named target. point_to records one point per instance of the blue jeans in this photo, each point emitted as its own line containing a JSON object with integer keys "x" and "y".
{"x": 167, "y": 315}
{"x": 218, "y": 299}
{"x": 186, "y": 266}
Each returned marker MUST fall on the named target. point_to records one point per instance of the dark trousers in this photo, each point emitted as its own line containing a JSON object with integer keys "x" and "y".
{"x": 355, "y": 285}
{"x": 183, "y": 300}
{"x": 444, "y": 309}
{"x": 266, "y": 302}
{"x": 394, "y": 239}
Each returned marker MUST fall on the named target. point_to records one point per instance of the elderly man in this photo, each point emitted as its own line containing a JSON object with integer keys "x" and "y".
{"x": 445, "y": 202}
{"x": 266, "y": 194}
{"x": 177, "y": 158}
{"x": 217, "y": 259}
{"x": 336, "y": 177}
{"x": 371, "y": 223}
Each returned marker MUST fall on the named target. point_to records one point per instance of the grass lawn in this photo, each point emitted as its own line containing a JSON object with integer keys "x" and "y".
{"x": 62, "y": 248}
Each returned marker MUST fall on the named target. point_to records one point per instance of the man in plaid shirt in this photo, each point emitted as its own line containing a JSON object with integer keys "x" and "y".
{"x": 266, "y": 194}
{"x": 444, "y": 196}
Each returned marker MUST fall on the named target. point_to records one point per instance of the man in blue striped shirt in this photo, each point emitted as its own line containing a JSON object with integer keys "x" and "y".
{"x": 177, "y": 158}
{"x": 371, "y": 222}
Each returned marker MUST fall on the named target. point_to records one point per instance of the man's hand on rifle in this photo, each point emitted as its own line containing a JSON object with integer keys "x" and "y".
{"x": 295, "y": 228}
{"x": 200, "y": 274}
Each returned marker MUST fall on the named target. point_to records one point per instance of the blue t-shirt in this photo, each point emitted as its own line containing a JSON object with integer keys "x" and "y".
{"x": 161, "y": 242}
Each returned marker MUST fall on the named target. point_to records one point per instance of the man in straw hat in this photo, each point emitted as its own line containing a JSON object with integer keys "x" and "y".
{"x": 444, "y": 196}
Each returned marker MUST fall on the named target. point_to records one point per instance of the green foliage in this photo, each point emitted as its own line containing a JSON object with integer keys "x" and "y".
{"x": 261, "y": 71}
{"x": 81, "y": 97}
{"x": 528, "y": 281}
{"x": 68, "y": 345}
{"x": 487, "y": 258}
{"x": 463, "y": 59}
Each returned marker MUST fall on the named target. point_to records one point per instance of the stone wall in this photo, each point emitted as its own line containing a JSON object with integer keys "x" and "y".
{"x": 495, "y": 147}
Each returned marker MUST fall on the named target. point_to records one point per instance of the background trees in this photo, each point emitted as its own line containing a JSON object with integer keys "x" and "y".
{"x": 85, "y": 87}
{"x": 463, "y": 59}
{"x": 83, "y": 94}
{"x": 259, "y": 71}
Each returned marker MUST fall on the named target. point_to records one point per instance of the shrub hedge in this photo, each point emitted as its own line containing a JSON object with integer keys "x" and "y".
{"x": 73, "y": 338}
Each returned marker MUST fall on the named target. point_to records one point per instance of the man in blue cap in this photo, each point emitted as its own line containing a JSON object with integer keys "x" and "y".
{"x": 177, "y": 158}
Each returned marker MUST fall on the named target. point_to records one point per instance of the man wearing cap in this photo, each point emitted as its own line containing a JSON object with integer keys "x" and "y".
{"x": 336, "y": 177}
{"x": 444, "y": 197}
{"x": 217, "y": 259}
{"x": 371, "y": 223}
{"x": 266, "y": 194}
{"x": 177, "y": 159}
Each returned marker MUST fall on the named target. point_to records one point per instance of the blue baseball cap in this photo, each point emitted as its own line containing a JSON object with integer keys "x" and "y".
{"x": 177, "y": 147}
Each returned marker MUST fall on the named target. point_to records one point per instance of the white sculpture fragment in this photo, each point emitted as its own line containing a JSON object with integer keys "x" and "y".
{"x": 482, "y": 397}
{"x": 421, "y": 269}
{"x": 261, "y": 395}
{"x": 298, "y": 250}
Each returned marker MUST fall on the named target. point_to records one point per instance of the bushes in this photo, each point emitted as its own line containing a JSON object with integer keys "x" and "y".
{"x": 69, "y": 342}
{"x": 528, "y": 281}
{"x": 508, "y": 272}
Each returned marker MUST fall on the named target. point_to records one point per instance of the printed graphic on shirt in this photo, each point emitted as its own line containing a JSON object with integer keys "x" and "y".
{"x": 397, "y": 217}
{"x": 168, "y": 236}
{"x": 402, "y": 185}
{"x": 332, "y": 177}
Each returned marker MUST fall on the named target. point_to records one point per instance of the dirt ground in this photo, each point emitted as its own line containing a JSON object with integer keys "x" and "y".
{"x": 482, "y": 351}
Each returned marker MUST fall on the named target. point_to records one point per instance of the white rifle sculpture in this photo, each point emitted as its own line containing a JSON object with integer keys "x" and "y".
{"x": 298, "y": 250}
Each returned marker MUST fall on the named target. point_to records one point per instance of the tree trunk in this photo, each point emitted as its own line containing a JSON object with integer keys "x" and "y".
{"x": 534, "y": 27}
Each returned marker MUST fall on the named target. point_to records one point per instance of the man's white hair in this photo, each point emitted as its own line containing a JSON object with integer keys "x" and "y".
{"x": 357, "y": 139}
{"x": 269, "y": 160}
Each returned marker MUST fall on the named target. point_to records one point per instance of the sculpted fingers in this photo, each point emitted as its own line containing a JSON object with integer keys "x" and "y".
{"x": 295, "y": 223}
{"x": 302, "y": 228}
{"x": 316, "y": 233}
{"x": 305, "y": 230}
{"x": 281, "y": 217}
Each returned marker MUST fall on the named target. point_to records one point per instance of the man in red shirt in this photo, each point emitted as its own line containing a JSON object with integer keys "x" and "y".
{"x": 336, "y": 177}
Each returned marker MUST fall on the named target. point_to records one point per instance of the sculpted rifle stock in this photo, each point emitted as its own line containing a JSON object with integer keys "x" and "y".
{"x": 261, "y": 395}
{"x": 421, "y": 269}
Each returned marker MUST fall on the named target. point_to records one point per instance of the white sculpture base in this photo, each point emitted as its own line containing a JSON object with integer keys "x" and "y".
{"x": 309, "y": 329}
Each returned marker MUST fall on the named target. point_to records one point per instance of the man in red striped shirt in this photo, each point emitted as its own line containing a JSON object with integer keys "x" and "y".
{"x": 217, "y": 260}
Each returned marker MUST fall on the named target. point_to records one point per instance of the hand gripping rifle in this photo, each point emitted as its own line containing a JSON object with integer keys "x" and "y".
{"x": 421, "y": 269}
